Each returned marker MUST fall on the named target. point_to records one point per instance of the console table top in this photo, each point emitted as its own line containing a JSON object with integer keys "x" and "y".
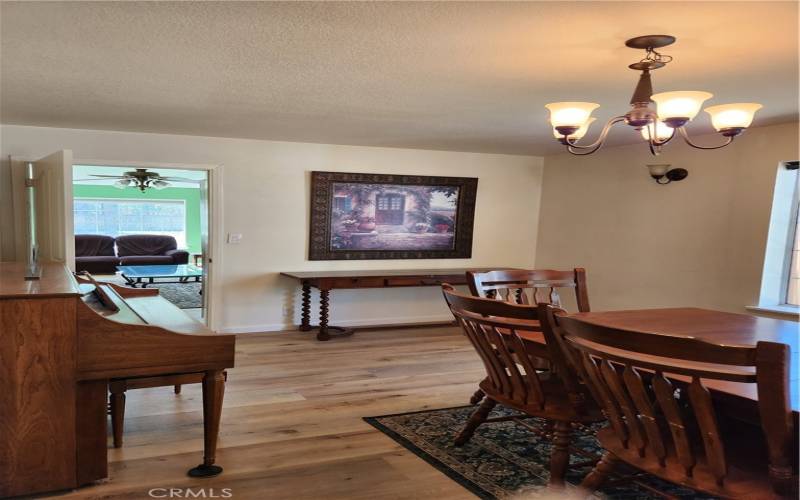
{"x": 381, "y": 273}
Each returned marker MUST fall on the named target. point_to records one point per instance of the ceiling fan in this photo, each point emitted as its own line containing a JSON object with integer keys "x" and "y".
{"x": 139, "y": 178}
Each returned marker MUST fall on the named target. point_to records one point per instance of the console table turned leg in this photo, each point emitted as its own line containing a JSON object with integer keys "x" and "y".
{"x": 305, "y": 318}
{"x": 324, "y": 298}
{"x": 213, "y": 392}
{"x": 325, "y": 331}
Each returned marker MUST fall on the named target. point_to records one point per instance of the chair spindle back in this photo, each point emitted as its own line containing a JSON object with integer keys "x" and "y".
{"x": 496, "y": 330}
{"x": 538, "y": 286}
{"x": 652, "y": 414}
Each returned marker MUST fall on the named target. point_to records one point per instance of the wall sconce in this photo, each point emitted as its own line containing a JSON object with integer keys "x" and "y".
{"x": 664, "y": 175}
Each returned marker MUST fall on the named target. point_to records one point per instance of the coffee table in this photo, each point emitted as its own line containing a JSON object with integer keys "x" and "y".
{"x": 180, "y": 273}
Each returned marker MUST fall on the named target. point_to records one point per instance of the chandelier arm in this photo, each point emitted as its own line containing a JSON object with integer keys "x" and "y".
{"x": 599, "y": 142}
{"x": 583, "y": 152}
{"x": 689, "y": 141}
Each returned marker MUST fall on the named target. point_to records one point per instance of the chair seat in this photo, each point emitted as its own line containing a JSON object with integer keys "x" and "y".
{"x": 747, "y": 475}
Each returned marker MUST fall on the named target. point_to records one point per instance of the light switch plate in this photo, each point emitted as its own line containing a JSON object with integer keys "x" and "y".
{"x": 234, "y": 238}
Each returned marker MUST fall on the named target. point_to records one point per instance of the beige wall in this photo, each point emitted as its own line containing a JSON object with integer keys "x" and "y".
{"x": 266, "y": 197}
{"x": 698, "y": 242}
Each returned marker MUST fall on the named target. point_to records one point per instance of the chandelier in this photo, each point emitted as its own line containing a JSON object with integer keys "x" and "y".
{"x": 673, "y": 110}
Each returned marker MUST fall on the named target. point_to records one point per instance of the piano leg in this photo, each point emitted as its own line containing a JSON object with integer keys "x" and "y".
{"x": 117, "y": 413}
{"x": 213, "y": 392}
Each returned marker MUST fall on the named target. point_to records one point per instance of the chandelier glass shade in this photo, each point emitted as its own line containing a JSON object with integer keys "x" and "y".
{"x": 658, "y": 117}
{"x": 578, "y": 133}
{"x": 732, "y": 116}
{"x": 658, "y": 129}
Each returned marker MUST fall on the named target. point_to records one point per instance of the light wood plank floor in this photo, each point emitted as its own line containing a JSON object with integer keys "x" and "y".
{"x": 291, "y": 424}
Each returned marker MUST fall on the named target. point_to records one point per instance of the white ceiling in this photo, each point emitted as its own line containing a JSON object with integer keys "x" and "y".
{"x": 434, "y": 75}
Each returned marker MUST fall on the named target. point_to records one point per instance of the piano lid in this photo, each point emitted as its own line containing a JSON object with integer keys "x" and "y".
{"x": 56, "y": 281}
{"x": 141, "y": 306}
{"x": 147, "y": 335}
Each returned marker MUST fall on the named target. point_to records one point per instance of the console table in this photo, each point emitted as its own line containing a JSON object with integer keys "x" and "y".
{"x": 326, "y": 281}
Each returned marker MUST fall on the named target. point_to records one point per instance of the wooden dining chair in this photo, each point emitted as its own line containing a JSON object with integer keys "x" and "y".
{"x": 655, "y": 391}
{"x": 508, "y": 339}
{"x": 526, "y": 286}
{"x": 543, "y": 285}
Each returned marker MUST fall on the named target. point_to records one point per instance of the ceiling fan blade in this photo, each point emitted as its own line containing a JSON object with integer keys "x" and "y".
{"x": 90, "y": 180}
{"x": 110, "y": 176}
{"x": 178, "y": 179}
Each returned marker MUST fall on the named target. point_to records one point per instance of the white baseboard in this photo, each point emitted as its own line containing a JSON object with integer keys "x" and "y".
{"x": 280, "y": 327}
{"x": 274, "y": 327}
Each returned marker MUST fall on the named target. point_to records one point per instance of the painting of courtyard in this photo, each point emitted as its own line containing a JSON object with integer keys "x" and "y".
{"x": 393, "y": 217}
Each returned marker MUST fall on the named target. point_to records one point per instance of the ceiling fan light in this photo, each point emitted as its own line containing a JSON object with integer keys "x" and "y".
{"x": 677, "y": 108}
{"x": 662, "y": 131}
{"x": 159, "y": 184}
{"x": 733, "y": 116}
{"x": 568, "y": 117}
{"x": 122, "y": 183}
{"x": 577, "y": 134}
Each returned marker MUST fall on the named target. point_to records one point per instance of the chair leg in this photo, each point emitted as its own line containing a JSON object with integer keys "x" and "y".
{"x": 559, "y": 456}
{"x": 782, "y": 481}
{"x": 177, "y": 388}
{"x": 477, "y": 418}
{"x": 549, "y": 428}
{"x": 477, "y": 397}
{"x": 600, "y": 473}
{"x": 117, "y": 417}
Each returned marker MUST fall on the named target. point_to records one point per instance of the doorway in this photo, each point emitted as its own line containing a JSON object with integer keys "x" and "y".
{"x": 390, "y": 209}
{"x": 148, "y": 226}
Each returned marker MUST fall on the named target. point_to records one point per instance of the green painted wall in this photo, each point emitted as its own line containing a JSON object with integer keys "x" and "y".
{"x": 189, "y": 195}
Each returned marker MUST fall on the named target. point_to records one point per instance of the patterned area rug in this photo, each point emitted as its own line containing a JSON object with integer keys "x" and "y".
{"x": 505, "y": 459}
{"x": 184, "y": 295}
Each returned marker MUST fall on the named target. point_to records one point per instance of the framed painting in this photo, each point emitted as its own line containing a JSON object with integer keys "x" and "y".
{"x": 382, "y": 216}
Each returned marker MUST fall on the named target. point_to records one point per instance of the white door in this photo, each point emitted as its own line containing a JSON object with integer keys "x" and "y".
{"x": 52, "y": 204}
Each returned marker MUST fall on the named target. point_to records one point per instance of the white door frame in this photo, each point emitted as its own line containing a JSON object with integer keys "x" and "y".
{"x": 216, "y": 230}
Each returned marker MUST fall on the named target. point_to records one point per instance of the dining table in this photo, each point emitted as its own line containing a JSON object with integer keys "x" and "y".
{"x": 740, "y": 399}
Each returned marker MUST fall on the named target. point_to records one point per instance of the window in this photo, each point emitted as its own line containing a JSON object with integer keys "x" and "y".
{"x": 341, "y": 203}
{"x": 118, "y": 217}
{"x": 780, "y": 282}
{"x": 390, "y": 202}
{"x": 793, "y": 289}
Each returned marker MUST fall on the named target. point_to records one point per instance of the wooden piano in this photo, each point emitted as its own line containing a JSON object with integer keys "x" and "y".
{"x": 62, "y": 340}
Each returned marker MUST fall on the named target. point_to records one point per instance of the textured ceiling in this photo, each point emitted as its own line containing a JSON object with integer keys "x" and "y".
{"x": 447, "y": 75}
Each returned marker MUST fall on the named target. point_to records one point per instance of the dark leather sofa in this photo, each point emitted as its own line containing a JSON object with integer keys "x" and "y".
{"x": 149, "y": 249}
{"x": 96, "y": 254}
